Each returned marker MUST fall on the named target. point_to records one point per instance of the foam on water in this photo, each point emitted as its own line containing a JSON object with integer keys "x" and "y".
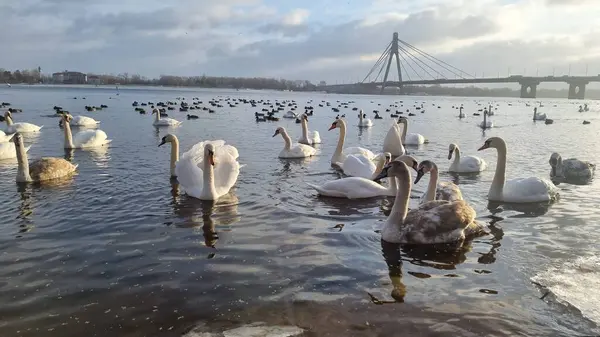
{"x": 249, "y": 330}
{"x": 576, "y": 283}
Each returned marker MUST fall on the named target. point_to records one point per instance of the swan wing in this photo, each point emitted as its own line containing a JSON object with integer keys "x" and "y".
{"x": 414, "y": 139}
{"x": 316, "y": 138}
{"x": 392, "y": 142}
{"x": 84, "y": 120}
{"x": 358, "y": 166}
{"x": 49, "y": 168}
{"x": 438, "y": 221}
{"x": 575, "y": 168}
{"x": 190, "y": 175}
{"x": 448, "y": 191}
{"x": 90, "y": 138}
{"x": 302, "y": 151}
{"x": 356, "y": 150}
{"x": 226, "y": 169}
{"x": 7, "y": 151}
{"x": 472, "y": 164}
{"x": 532, "y": 189}
{"x": 351, "y": 188}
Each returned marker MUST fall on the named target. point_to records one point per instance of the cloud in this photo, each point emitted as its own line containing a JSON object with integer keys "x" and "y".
{"x": 322, "y": 40}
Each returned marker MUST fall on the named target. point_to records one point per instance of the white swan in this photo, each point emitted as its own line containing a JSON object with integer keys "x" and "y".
{"x": 295, "y": 151}
{"x": 359, "y": 188}
{"x": 411, "y": 138}
{"x": 461, "y": 114}
{"x": 307, "y": 137}
{"x": 43, "y": 169}
{"x": 9, "y": 151}
{"x": 392, "y": 142}
{"x": 436, "y": 191}
{"x": 340, "y": 154}
{"x": 487, "y": 123}
{"x": 19, "y": 127}
{"x": 83, "y": 121}
{"x": 570, "y": 170}
{"x": 83, "y": 139}
{"x": 433, "y": 222}
{"x": 290, "y": 115}
{"x": 4, "y": 137}
{"x": 207, "y": 171}
{"x": 538, "y": 116}
{"x": 164, "y": 121}
{"x": 466, "y": 164}
{"x": 520, "y": 190}
{"x": 364, "y": 122}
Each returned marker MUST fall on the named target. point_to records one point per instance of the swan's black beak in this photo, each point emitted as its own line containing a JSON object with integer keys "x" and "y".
{"x": 420, "y": 174}
{"x": 276, "y": 133}
{"x": 383, "y": 174}
{"x": 162, "y": 143}
{"x": 483, "y": 147}
{"x": 450, "y": 155}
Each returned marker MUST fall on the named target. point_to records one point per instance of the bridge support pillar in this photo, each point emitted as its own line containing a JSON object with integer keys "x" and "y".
{"x": 577, "y": 90}
{"x": 529, "y": 89}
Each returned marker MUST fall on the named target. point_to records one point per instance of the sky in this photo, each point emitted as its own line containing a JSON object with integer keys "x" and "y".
{"x": 330, "y": 40}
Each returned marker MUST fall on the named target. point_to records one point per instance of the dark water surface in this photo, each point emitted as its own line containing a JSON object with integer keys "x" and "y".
{"x": 118, "y": 251}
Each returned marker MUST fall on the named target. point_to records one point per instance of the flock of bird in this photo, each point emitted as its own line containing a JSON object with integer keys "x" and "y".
{"x": 209, "y": 169}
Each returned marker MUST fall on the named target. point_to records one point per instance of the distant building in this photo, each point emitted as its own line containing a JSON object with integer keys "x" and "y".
{"x": 93, "y": 79}
{"x": 69, "y": 77}
{"x": 322, "y": 84}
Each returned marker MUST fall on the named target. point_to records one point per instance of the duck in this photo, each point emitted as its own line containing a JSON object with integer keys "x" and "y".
{"x": 364, "y": 122}
{"x": 411, "y": 138}
{"x": 41, "y": 170}
{"x": 519, "y": 190}
{"x": 83, "y": 139}
{"x": 19, "y": 127}
{"x": 465, "y": 164}
{"x": 164, "y": 121}
{"x": 361, "y": 188}
{"x": 392, "y": 142}
{"x": 570, "y": 170}
{"x": 207, "y": 171}
{"x": 433, "y": 222}
{"x": 308, "y": 137}
{"x": 436, "y": 191}
{"x": 290, "y": 150}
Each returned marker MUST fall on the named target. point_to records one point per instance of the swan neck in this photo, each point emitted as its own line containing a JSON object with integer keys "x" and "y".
{"x": 340, "y": 145}
{"x": 432, "y": 187}
{"x": 23, "y": 163}
{"x": 157, "y": 116}
{"x": 360, "y": 117}
{"x": 68, "y": 135}
{"x": 393, "y": 185}
{"x": 209, "y": 179}
{"x": 378, "y": 167}
{"x": 400, "y": 208}
{"x": 456, "y": 161}
{"x": 404, "y": 129}
{"x": 304, "y": 129}
{"x": 496, "y": 190}
{"x": 174, "y": 155}
{"x": 559, "y": 167}
{"x": 287, "y": 140}
{"x": 9, "y": 120}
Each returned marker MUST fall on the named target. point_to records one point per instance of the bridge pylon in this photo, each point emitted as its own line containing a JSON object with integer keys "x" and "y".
{"x": 393, "y": 51}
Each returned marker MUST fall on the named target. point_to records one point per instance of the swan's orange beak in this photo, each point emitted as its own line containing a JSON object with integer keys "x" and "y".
{"x": 333, "y": 126}
{"x": 211, "y": 158}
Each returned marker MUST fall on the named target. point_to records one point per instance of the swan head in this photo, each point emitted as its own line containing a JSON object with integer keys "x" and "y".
{"x": 155, "y": 111}
{"x": 555, "y": 161}
{"x": 396, "y": 168}
{"x": 18, "y": 139}
{"x": 209, "y": 153}
{"x": 336, "y": 124}
{"x": 8, "y": 114}
{"x": 451, "y": 150}
{"x": 493, "y": 142}
{"x": 425, "y": 166}
{"x": 280, "y": 130}
{"x": 167, "y": 139}
{"x": 305, "y": 117}
{"x": 401, "y": 120}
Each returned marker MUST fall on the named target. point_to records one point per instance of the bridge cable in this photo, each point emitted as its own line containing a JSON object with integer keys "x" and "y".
{"x": 408, "y": 63}
{"x": 423, "y": 62}
{"x": 382, "y": 64}
{"x": 436, "y": 60}
{"x": 405, "y": 71}
{"x": 378, "y": 61}
{"x": 414, "y": 59}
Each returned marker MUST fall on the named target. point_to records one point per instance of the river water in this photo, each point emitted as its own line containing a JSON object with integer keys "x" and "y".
{"x": 119, "y": 251}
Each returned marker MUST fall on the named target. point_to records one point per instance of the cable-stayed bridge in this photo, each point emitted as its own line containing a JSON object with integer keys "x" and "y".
{"x": 416, "y": 67}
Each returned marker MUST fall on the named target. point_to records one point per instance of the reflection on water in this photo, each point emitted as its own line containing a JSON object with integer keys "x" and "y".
{"x": 119, "y": 249}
